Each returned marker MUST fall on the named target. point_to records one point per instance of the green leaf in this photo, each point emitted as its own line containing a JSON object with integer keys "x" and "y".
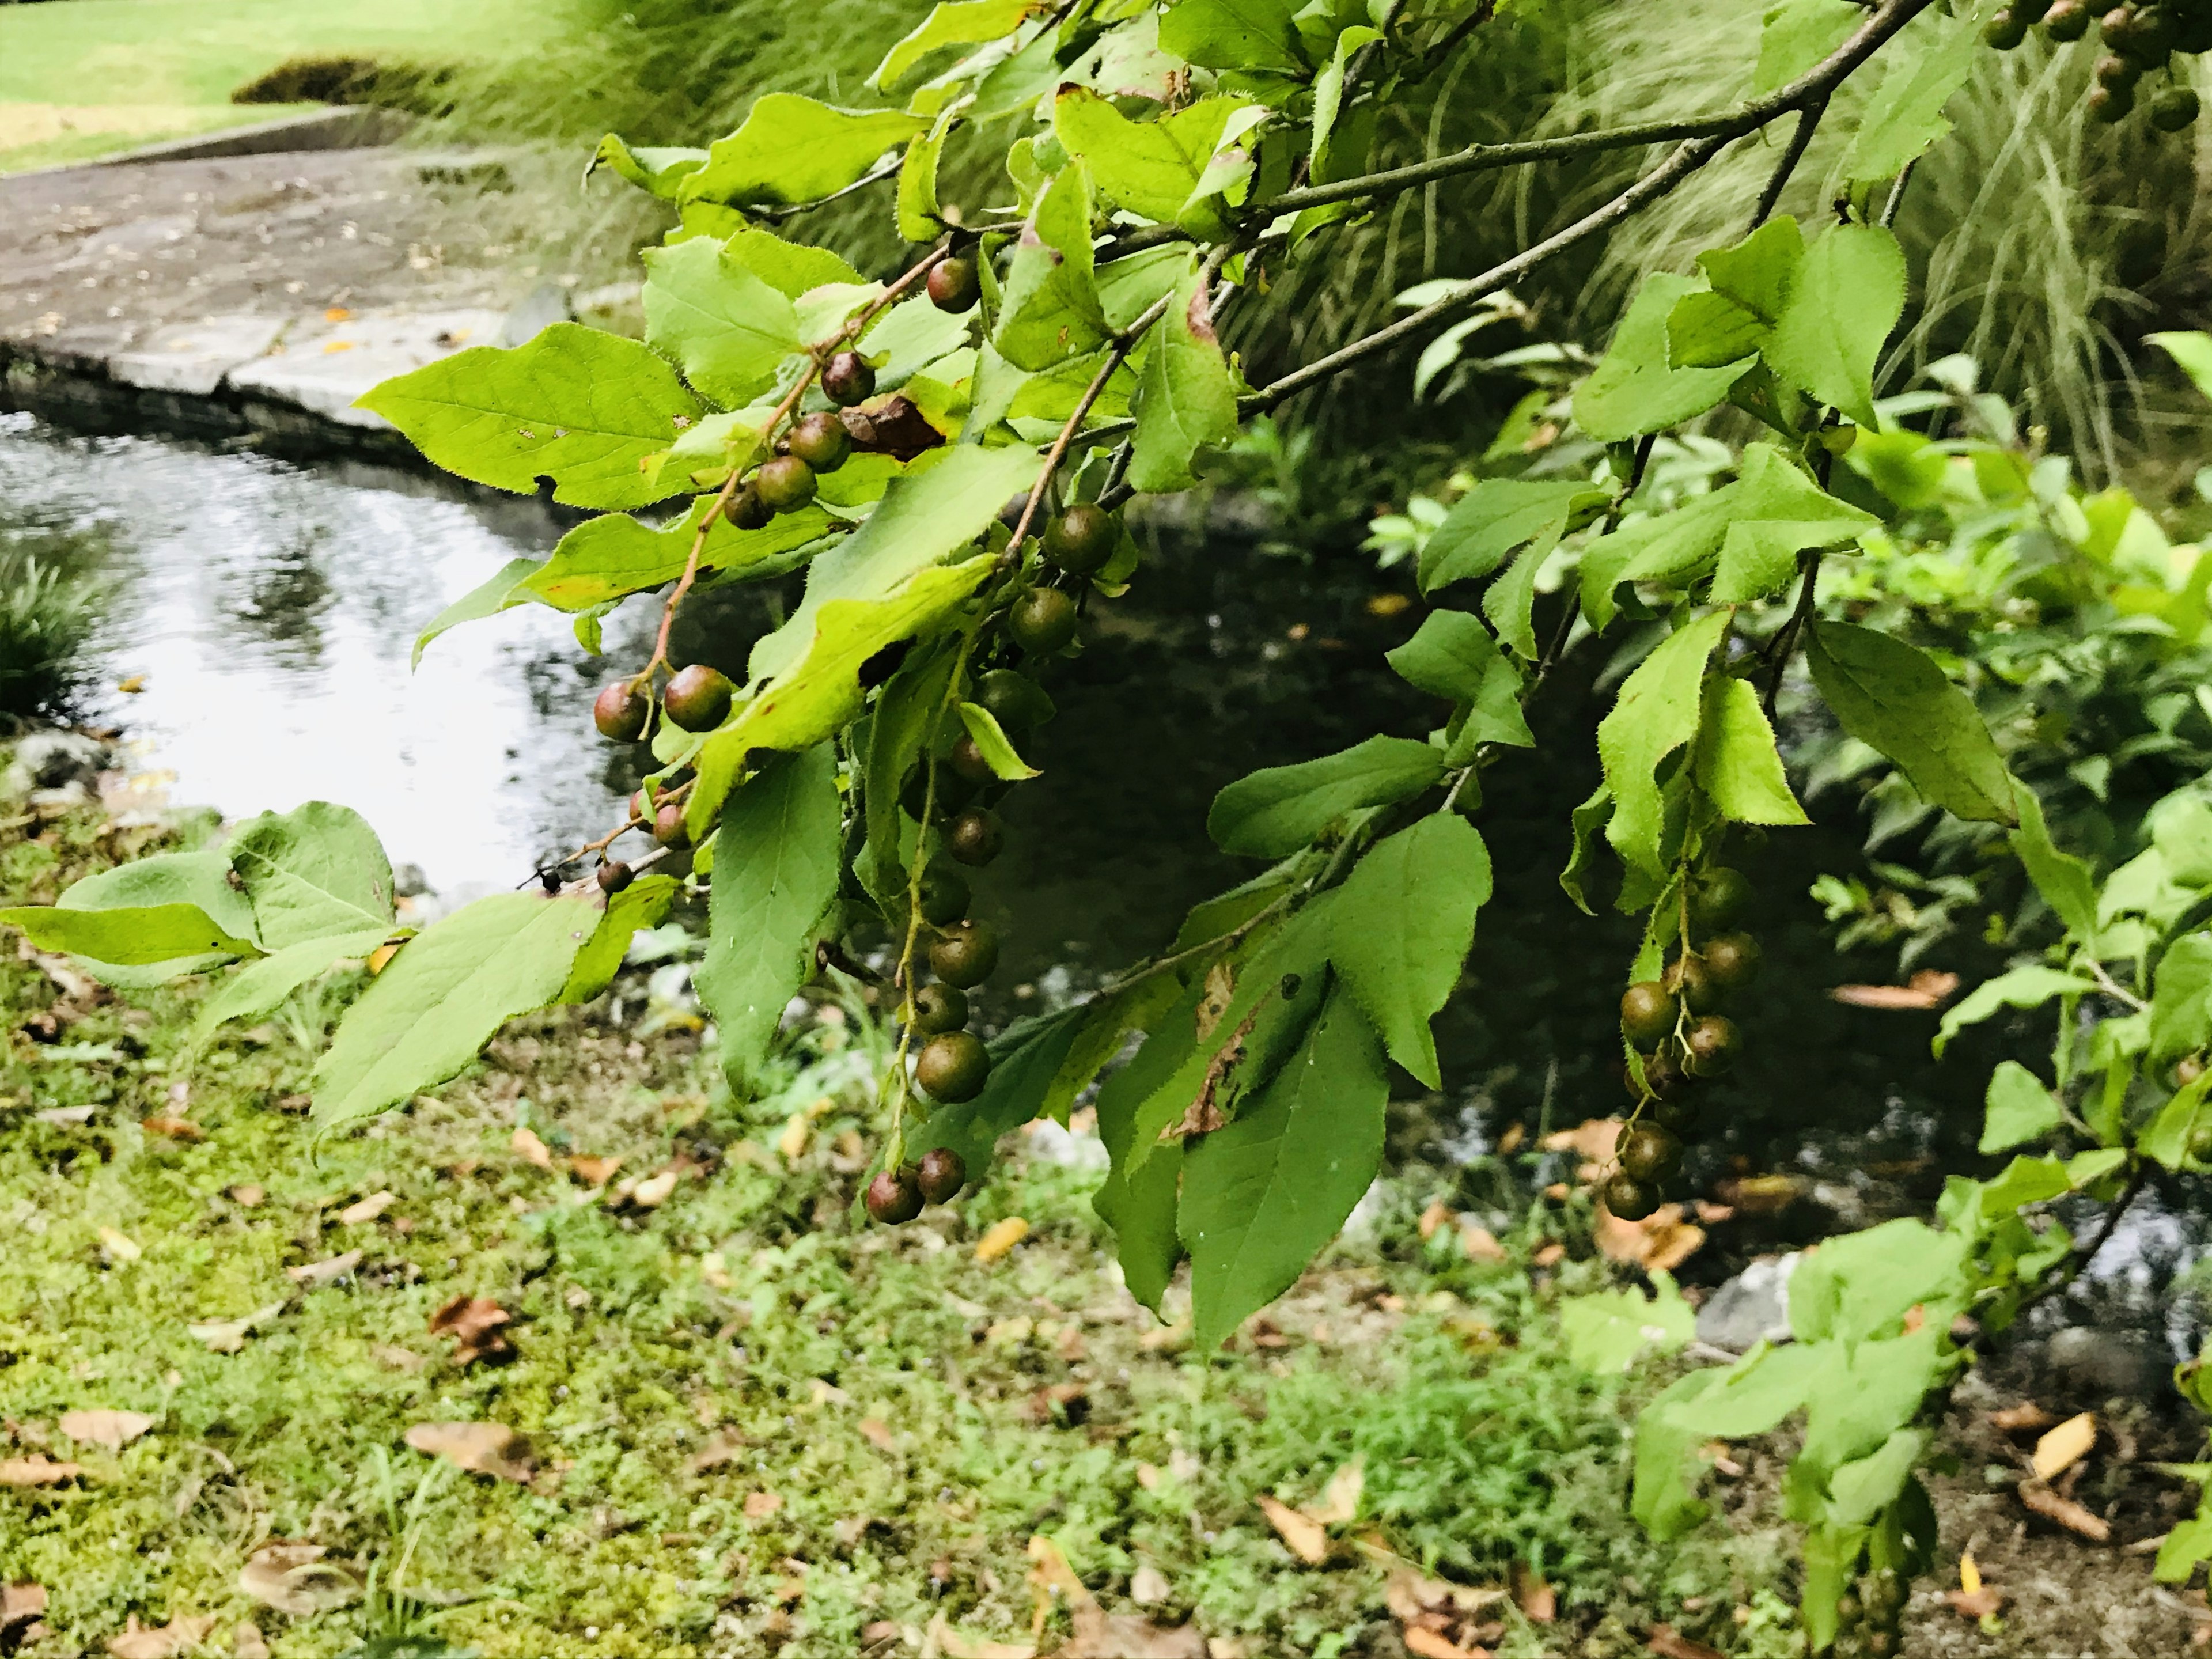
{"x": 1138, "y": 1200}
{"x": 1908, "y": 467}
{"x": 1451, "y": 655}
{"x": 2181, "y": 999}
{"x": 1738, "y": 766}
{"x": 2019, "y": 1108}
{"x": 1893, "y": 697}
{"x": 1656, "y": 713}
{"x": 997, "y": 749}
{"x": 1511, "y": 601}
{"x": 1859, "y": 1286}
{"x": 1861, "y": 1489}
{"x": 1750, "y": 1397}
{"x": 2023, "y": 987}
{"x": 1049, "y": 310}
{"x": 1848, "y": 295}
{"x": 1869, "y": 1390}
{"x": 260, "y": 986}
{"x": 1711, "y": 331}
{"x": 776, "y": 861}
{"x": 1905, "y": 114}
{"x": 1263, "y": 1196}
{"x": 1796, "y": 36}
{"x": 920, "y": 216}
{"x": 1234, "y": 34}
{"x": 1760, "y": 272}
{"x": 1328, "y": 85}
{"x": 725, "y": 328}
{"x": 950, "y": 23}
{"x": 202, "y": 879}
{"x": 792, "y": 269}
{"x": 793, "y": 149}
{"x": 1401, "y": 927}
{"x": 660, "y": 171}
{"x": 1152, "y": 168}
{"x": 1272, "y": 813}
{"x": 488, "y": 599}
{"x": 613, "y": 555}
{"x": 1185, "y": 398}
{"x": 444, "y": 996}
{"x": 803, "y": 704}
{"x": 314, "y": 872}
{"x": 1588, "y": 820}
{"x": 585, "y": 408}
{"x": 1607, "y": 1332}
{"x": 643, "y": 903}
{"x": 1635, "y": 389}
{"x": 2192, "y": 350}
{"x": 2068, "y": 885}
{"x": 2182, "y": 1548}
{"x": 1497, "y": 515}
{"x": 2168, "y": 1137}
{"x": 131, "y": 936}
{"x": 905, "y": 717}
{"x": 1130, "y": 286}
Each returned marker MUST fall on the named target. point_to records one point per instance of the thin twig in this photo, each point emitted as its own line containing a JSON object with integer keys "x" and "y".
{"x": 1808, "y": 122}
{"x": 2113, "y": 989}
{"x": 1786, "y": 637}
{"x": 1897, "y": 194}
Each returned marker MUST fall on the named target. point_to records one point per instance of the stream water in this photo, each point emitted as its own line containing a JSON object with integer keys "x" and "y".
{"x": 267, "y": 611}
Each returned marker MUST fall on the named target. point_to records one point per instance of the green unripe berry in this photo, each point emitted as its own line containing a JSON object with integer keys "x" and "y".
{"x": 1650, "y": 1154}
{"x": 2066, "y": 20}
{"x": 1713, "y": 1043}
{"x": 1011, "y": 697}
{"x": 1718, "y": 896}
{"x": 698, "y": 698}
{"x": 1041, "y": 620}
{"x": 965, "y": 954}
{"x": 820, "y": 440}
{"x": 785, "y": 483}
{"x": 2111, "y": 105}
{"x": 1677, "y": 1110}
{"x": 1732, "y": 960}
{"x": 620, "y": 711}
{"x": 2005, "y": 30}
{"x": 1688, "y": 978}
{"x": 2120, "y": 74}
{"x": 1648, "y": 1012}
{"x": 944, "y": 896}
{"x": 2175, "y": 108}
{"x": 939, "y": 1009}
{"x": 1629, "y": 1198}
{"x": 1081, "y": 540}
{"x": 952, "y": 1066}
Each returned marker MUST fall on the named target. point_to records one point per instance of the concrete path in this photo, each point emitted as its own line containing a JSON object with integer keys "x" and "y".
{"x": 252, "y": 296}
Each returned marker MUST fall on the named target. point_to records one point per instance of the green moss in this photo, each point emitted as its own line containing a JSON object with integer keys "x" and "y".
{"x": 741, "y": 1339}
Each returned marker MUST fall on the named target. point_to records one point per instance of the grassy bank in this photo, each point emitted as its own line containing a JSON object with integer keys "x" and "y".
{"x": 748, "y": 1425}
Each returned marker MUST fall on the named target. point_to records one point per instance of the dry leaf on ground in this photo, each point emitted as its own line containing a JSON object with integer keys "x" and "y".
{"x": 1661, "y": 1242}
{"x": 594, "y": 1171}
{"x": 1480, "y": 1244}
{"x": 1976, "y": 1604}
{"x": 1538, "y": 1601}
{"x": 530, "y": 1149}
{"x": 179, "y": 1635}
{"x": 247, "y": 1195}
{"x": 653, "y": 1191}
{"x": 878, "y": 1434}
{"x": 1149, "y": 1586}
{"x": 1000, "y": 1238}
{"x": 246, "y": 1642}
{"x": 121, "y": 1246}
{"x": 36, "y": 1470}
{"x": 316, "y": 1274}
{"x": 367, "y": 1209}
{"x": 942, "y": 1638}
{"x": 473, "y": 1322}
{"x": 2026, "y": 1418}
{"x": 21, "y": 1609}
{"x": 1594, "y": 1141}
{"x": 229, "y": 1335}
{"x": 174, "y": 1129}
{"x": 2064, "y": 1446}
{"x": 1436, "y": 1215}
{"x": 294, "y": 1579}
{"x": 1340, "y": 1500}
{"x": 1929, "y": 988}
{"x": 1130, "y": 1636}
{"x": 1308, "y": 1539}
{"x": 111, "y": 1429}
{"x": 759, "y": 1505}
{"x": 1434, "y": 1644}
{"x": 1670, "y": 1643}
{"x": 490, "y": 1449}
{"x": 2066, "y": 1512}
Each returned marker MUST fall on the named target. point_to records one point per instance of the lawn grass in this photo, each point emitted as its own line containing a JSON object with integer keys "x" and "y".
{"x": 753, "y": 1428}
{"x": 92, "y": 76}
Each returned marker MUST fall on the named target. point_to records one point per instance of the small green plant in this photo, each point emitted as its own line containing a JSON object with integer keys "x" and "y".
{"x": 47, "y": 614}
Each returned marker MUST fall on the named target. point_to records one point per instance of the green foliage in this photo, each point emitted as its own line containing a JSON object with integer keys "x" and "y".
{"x": 47, "y": 612}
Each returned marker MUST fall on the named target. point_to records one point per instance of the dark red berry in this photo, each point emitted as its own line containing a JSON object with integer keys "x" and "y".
{"x": 953, "y": 285}
{"x": 847, "y": 380}
{"x": 1731, "y": 960}
{"x": 952, "y": 1066}
{"x": 968, "y": 761}
{"x": 747, "y": 511}
{"x": 620, "y": 711}
{"x": 1688, "y": 978}
{"x": 894, "y": 1198}
{"x": 1629, "y": 1198}
{"x": 668, "y": 825}
{"x": 944, "y": 1172}
{"x": 1650, "y": 1154}
{"x": 976, "y": 837}
{"x": 698, "y": 698}
{"x": 615, "y": 875}
{"x": 2005, "y": 30}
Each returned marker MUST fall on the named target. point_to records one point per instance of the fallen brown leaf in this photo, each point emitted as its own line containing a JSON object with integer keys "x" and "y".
{"x": 246, "y": 1642}
{"x": 1661, "y": 1242}
{"x": 490, "y": 1449}
{"x": 20, "y": 1607}
{"x": 1480, "y": 1244}
{"x": 2066, "y": 1512}
{"x": 179, "y": 1635}
{"x": 1670, "y": 1643}
{"x": 759, "y": 1505}
{"x": 1130, "y": 1636}
{"x": 594, "y": 1171}
{"x": 294, "y": 1579}
{"x": 1340, "y": 1500}
{"x": 229, "y": 1335}
{"x": 64, "y": 1117}
{"x": 942, "y": 1638}
{"x": 1000, "y": 1238}
{"x": 246, "y": 1196}
{"x": 1433, "y": 1217}
{"x": 878, "y": 1434}
{"x": 653, "y": 1191}
{"x": 1308, "y": 1539}
{"x": 1538, "y": 1601}
{"x": 530, "y": 1149}
{"x": 1976, "y": 1604}
{"x": 174, "y": 1129}
{"x": 358, "y": 1214}
{"x": 2064, "y": 1446}
{"x": 1433, "y": 1644}
{"x": 2026, "y": 1418}
{"x": 1409, "y": 1594}
{"x": 1929, "y": 988}
{"x": 1149, "y": 1586}
{"x": 36, "y": 1470}
{"x": 1066, "y": 1403}
{"x": 1594, "y": 1141}
{"x": 473, "y": 1322}
{"x": 111, "y": 1429}
{"x": 316, "y": 1274}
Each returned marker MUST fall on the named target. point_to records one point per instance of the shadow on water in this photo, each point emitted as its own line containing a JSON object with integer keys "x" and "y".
{"x": 271, "y": 609}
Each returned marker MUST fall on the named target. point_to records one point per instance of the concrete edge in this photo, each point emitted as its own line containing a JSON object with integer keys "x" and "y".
{"x": 364, "y": 127}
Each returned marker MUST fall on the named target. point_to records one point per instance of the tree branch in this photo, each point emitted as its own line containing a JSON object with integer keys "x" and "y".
{"x": 1809, "y": 121}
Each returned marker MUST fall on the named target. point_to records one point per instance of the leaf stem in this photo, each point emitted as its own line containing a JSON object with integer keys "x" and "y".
{"x": 1808, "y": 122}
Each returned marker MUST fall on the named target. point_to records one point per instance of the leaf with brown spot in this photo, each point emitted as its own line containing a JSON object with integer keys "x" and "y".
{"x": 36, "y": 1470}
{"x": 2063, "y": 1510}
{"x": 1213, "y": 1002}
{"x": 490, "y": 1449}
{"x": 1308, "y": 1539}
{"x": 179, "y": 1635}
{"x": 111, "y": 1429}
{"x": 294, "y": 1579}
